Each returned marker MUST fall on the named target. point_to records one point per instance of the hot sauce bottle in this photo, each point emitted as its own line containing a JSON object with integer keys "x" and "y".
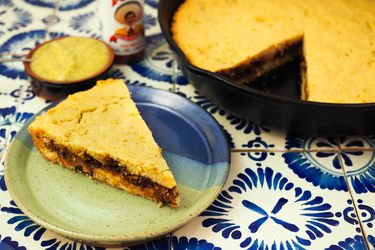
{"x": 123, "y": 29}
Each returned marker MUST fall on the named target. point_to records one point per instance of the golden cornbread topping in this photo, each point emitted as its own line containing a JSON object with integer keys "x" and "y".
{"x": 337, "y": 38}
{"x": 101, "y": 133}
{"x": 70, "y": 59}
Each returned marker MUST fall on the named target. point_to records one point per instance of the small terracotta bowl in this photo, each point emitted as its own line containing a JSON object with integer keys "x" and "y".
{"x": 55, "y": 90}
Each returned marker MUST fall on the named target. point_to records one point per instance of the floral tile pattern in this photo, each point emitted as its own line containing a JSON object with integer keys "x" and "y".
{"x": 2, "y": 181}
{"x": 81, "y": 20}
{"x": 20, "y": 15}
{"x": 8, "y": 243}
{"x": 356, "y": 142}
{"x": 304, "y": 215}
{"x": 67, "y": 5}
{"x": 283, "y": 191}
{"x": 361, "y": 178}
{"x": 10, "y": 94}
{"x": 16, "y": 17}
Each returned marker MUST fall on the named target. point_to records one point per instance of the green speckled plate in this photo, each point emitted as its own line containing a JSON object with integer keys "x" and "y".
{"x": 84, "y": 210}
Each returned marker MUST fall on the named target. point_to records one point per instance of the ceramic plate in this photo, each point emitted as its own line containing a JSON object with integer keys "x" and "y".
{"x": 82, "y": 209}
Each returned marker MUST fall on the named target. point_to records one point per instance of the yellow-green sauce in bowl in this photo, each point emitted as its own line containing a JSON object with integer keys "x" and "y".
{"x": 70, "y": 59}
{"x": 63, "y": 66}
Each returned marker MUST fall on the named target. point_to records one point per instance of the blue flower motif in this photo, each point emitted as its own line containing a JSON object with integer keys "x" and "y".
{"x": 3, "y": 135}
{"x": 12, "y": 133}
{"x": 159, "y": 244}
{"x": 153, "y": 3}
{"x": 311, "y": 210}
{"x": 20, "y": 44}
{"x": 324, "y": 168}
{"x": 16, "y": 93}
{"x": 220, "y": 207}
{"x": 367, "y": 213}
{"x": 371, "y": 240}
{"x": 350, "y": 216}
{"x": 258, "y": 154}
{"x": 258, "y": 144}
{"x": 206, "y": 104}
{"x": 307, "y": 142}
{"x": 64, "y": 5}
{"x": 180, "y": 93}
{"x": 23, "y": 117}
{"x": 356, "y": 243}
{"x": 20, "y": 119}
{"x": 309, "y": 165}
{"x": 362, "y": 177}
{"x": 329, "y": 145}
{"x": 22, "y": 222}
{"x": 29, "y": 95}
{"x": 7, "y": 130}
{"x": 158, "y": 63}
{"x": 136, "y": 83}
{"x": 346, "y": 157}
{"x": 246, "y": 126}
{"x": 149, "y": 21}
{"x": 55, "y": 244}
{"x": 16, "y": 18}
{"x": 336, "y": 160}
{"x": 229, "y": 137}
{"x": 8, "y": 243}
{"x": 2, "y": 182}
{"x": 116, "y": 73}
{"x": 85, "y": 23}
{"x": 347, "y": 143}
{"x": 6, "y": 114}
{"x": 5, "y": 123}
{"x": 184, "y": 243}
{"x": 30, "y": 228}
{"x": 6, "y": 3}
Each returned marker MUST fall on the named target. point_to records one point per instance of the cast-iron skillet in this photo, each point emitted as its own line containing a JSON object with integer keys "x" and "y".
{"x": 273, "y": 99}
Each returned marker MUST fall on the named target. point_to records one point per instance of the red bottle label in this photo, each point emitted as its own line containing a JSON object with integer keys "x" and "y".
{"x": 122, "y": 25}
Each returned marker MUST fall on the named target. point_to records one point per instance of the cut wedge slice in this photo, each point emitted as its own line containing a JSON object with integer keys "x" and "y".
{"x": 100, "y": 132}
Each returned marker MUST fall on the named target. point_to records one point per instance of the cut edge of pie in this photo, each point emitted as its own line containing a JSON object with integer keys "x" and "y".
{"x": 265, "y": 61}
{"x": 270, "y": 59}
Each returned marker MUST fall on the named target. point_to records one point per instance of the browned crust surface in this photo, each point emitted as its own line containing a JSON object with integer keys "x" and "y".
{"x": 85, "y": 164}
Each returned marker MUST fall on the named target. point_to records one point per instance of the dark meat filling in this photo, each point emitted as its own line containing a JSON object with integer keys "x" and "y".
{"x": 249, "y": 70}
{"x": 163, "y": 194}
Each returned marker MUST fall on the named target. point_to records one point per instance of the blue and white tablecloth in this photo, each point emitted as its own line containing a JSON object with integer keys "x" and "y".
{"x": 283, "y": 192}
